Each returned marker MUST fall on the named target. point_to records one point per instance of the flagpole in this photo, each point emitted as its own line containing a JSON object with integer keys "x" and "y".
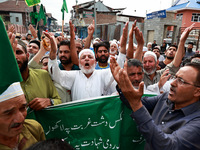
{"x": 63, "y": 20}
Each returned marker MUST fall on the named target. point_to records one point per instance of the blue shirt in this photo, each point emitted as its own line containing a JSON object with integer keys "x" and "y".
{"x": 166, "y": 128}
{"x": 98, "y": 67}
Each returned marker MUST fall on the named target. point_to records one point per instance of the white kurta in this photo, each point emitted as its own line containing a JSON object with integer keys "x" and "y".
{"x": 82, "y": 87}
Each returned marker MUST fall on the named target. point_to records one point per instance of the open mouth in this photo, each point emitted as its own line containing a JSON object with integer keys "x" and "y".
{"x": 87, "y": 64}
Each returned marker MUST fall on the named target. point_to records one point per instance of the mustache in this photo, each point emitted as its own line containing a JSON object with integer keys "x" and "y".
{"x": 136, "y": 81}
{"x": 14, "y": 125}
{"x": 63, "y": 57}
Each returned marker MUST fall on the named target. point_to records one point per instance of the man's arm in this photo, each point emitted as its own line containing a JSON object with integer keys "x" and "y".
{"x": 183, "y": 138}
{"x": 130, "y": 50}
{"x": 181, "y": 49}
{"x": 140, "y": 42}
{"x": 91, "y": 29}
{"x": 73, "y": 50}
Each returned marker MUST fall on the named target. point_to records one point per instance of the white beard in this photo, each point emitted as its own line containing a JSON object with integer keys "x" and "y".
{"x": 112, "y": 52}
{"x": 87, "y": 71}
{"x": 150, "y": 73}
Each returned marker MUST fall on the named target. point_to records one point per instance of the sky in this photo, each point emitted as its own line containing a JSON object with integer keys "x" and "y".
{"x": 141, "y": 6}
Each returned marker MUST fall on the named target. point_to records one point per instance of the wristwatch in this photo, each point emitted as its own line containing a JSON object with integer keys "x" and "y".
{"x": 52, "y": 102}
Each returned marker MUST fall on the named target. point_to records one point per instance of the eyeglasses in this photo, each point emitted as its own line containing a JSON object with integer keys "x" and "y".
{"x": 181, "y": 81}
{"x": 105, "y": 51}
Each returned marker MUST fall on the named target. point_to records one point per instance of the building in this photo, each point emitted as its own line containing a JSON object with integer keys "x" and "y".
{"x": 17, "y": 13}
{"x": 188, "y": 12}
{"x": 110, "y": 21}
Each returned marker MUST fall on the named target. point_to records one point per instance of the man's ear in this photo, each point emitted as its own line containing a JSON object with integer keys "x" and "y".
{"x": 197, "y": 92}
{"x": 157, "y": 62}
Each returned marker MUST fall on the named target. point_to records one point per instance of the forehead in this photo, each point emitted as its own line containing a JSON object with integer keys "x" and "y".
{"x": 148, "y": 58}
{"x": 134, "y": 69}
{"x": 64, "y": 47}
{"x": 86, "y": 54}
{"x": 188, "y": 73}
{"x": 172, "y": 47}
{"x": 19, "y": 47}
{"x": 15, "y": 102}
{"x": 33, "y": 44}
{"x": 156, "y": 50}
{"x": 102, "y": 48}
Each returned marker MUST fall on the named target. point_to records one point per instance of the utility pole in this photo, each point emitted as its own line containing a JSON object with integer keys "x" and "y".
{"x": 95, "y": 21}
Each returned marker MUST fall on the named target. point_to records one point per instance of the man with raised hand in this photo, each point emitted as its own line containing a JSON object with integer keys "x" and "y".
{"x": 87, "y": 82}
{"x": 175, "y": 115}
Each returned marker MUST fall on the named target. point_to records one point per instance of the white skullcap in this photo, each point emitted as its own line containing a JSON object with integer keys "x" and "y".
{"x": 150, "y": 53}
{"x": 86, "y": 50}
{"x": 12, "y": 91}
{"x": 113, "y": 42}
{"x": 149, "y": 43}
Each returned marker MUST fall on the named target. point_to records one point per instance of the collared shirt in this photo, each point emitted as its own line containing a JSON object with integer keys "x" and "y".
{"x": 32, "y": 133}
{"x": 39, "y": 85}
{"x": 172, "y": 70}
{"x": 166, "y": 128}
{"x": 82, "y": 87}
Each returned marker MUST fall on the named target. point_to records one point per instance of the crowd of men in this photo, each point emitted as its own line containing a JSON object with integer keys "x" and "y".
{"x": 57, "y": 70}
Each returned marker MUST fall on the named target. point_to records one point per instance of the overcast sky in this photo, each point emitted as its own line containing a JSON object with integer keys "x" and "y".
{"x": 141, "y": 6}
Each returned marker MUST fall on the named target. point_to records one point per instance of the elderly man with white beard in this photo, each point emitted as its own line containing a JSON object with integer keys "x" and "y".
{"x": 84, "y": 83}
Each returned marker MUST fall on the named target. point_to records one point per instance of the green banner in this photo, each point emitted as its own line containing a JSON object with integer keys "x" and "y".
{"x": 103, "y": 123}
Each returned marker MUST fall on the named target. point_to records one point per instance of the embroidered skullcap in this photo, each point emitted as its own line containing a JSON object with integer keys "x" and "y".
{"x": 12, "y": 91}
{"x": 150, "y": 53}
{"x": 86, "y": 50}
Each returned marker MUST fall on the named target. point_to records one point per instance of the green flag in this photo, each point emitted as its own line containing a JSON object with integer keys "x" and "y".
{"x": 8, "y": 65}
{"x": 42, "y": 15}
{"x": 64, "y": 8}
{"x": 32, "y": 2}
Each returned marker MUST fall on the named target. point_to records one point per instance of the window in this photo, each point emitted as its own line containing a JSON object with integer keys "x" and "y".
{"x": 179, "y": 16}
{"x": 17, "y": 19}
{"x": 195, "y": 17}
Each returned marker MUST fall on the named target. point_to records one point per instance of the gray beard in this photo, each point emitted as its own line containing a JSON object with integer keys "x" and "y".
{"x": 150, "y": 73}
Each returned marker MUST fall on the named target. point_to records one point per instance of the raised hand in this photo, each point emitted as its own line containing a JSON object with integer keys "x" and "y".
{"x": 33, "y": 31}
{"x": 132, "y": 95}
{"x": 123, "y": 39}
{"x": 91, "y": 28}
{"x": 52, "y": 39}
{"x": 13, "y": 41}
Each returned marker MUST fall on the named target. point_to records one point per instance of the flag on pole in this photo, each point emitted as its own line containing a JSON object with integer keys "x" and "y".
{"x": 42, "y": 15}
{"x": 64, "y": 8}
{"x": 8, "y": 65}
{"x": 31, "y": 3}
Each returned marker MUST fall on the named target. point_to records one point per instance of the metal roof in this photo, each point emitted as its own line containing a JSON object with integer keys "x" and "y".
{"x": 185, "y": 4}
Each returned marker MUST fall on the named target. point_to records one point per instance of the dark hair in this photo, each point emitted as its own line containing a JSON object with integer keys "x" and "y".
{"x": 36, "y": 42}
{"x": 20, "y": 42}
{"x": 51, "y": 144}
{"x": 106, "y": 44}
{"x": 191, "y": 43}
{"x": 173, "y": 45}
{"x": 64, "y": 42}
{"x": 196, "y": 66}
{"x": 135, "y": 63}
{"x": 187, "y": 60}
